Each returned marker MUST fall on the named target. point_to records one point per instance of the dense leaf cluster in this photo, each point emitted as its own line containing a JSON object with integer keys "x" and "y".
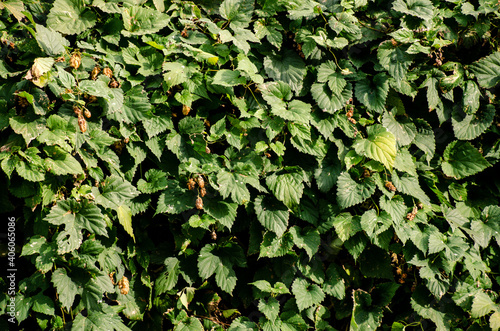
{"x": 252, "y": 164}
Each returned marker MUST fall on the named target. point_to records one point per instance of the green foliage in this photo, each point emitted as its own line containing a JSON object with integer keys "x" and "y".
{"x": 251, "y": 165}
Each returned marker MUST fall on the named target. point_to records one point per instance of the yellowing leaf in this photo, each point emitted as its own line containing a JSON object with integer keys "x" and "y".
{"x": 16, "y": 7}
{"x": 380, "y": 146}
{"x": 125, "y": 218}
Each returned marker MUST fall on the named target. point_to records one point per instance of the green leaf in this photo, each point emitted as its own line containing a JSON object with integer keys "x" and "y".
{"x": 328, "y": 100}
{"x": 374, "y": 224}
{"x": 420, "y": 303}
{"x": 233, "y": 184}
{"x": 380, "y": 145}
{"x": 287, "y": 187}
{"x": 471, "y": 97}
{"x": 31, "y": 167}
{"x": 297, "y": 111}
{"x": 70, "y": 17}
{"x": 29, "y": 128}
{"x": 404, "y": 162}
{"x": 115, "y": 192}
{"x": 222, "y": 211}
{"x": 96, "y": 320}
{"x": 272, "y": 214}
{"x": 365, "y": 316}
{"x": 51, "y": 42}
{"x": 43, "y": 304}
{"x": 143, "y": 21}
{"x": 327, "y": 174}
{"x": 373, "y": 94}
{"x": 125, "y": 218}
{"x": 61, "y": 162}
{"x": 287, "y": 67}
{"x": 409, "y": 185}
{"x": 394, "y": 59}
{"x": 487, "y": 70}
{"x": 175, "y": 200}
{"x": 265, "y": 286}
{"x": 237, "y": 12}
{"x": 190, "y": 324}
{"x": 308, "y": 239}
{"x": 404, "y": 131}
{"x": 334, "y": 284}
{"x": 78, "y": 215}
{"x": 270, "y": 309}
{"x": 191, "y": 125}
{"x": 273, "y": 246}
{"x": 220, "y": 260}
{"x": 271, "y": 30}
{"x": 155, "y": 180}
{"x": 346, "y": 225}
{"x": 169, "y": 278}
{"x": 229, "y": 78}
{"x": 471, "y": 126}
{"x": 482, "y": 305}
{"x": 461, "y": 159}
{"x": 306, "y": 294}
{"x": 133, "y": 107}
{"x": 419, "y": 8}
{"x": 242, "y": 324}
{"x": 350, "y": 193}
{"x": 34, "y": 245}
{"x": 66, "y": 288}
{"x": 424, "y": 139}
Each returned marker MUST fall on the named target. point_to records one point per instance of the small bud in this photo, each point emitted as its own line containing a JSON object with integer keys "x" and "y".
{"x": 114, "y": 84}
{"x": 87, "y": 113}
{"x": 207, "y": 150}
{"x": 203, "y": 191}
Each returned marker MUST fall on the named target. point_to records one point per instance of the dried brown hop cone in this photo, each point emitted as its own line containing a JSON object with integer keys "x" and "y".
{"x": 124, "y": 285}
{"x": 185, "y": 110}
{"x": 82, "y": 123}
{"x": 107, "y": 72}
{"x": 95, "y": 72}
{"x": 199, "y": 203}
{"x": 201, "y": 181}
{"x": 191, "y": 184}
{"x": 390, "y": 186}
{"x": 75, "y": 60}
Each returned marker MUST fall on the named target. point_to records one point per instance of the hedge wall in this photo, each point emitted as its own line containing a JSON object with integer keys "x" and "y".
{"x": 250, "y": 164}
